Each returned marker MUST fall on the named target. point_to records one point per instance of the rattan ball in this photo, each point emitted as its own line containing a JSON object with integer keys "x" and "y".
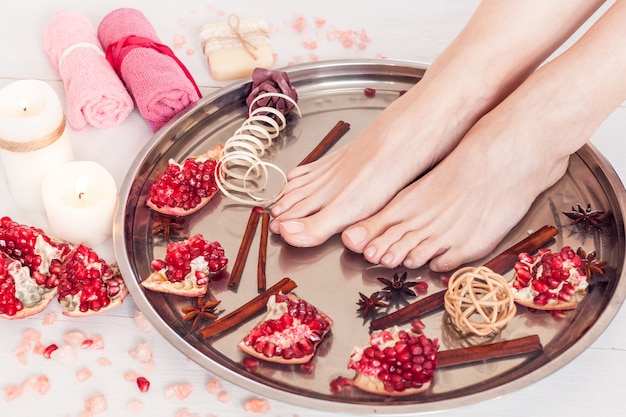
{"x": 479, "y": 301}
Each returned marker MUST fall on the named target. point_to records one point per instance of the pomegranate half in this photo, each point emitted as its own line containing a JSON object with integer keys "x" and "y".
{"x": 289, "y": 333}
{"x": 549, "y": 281}
{"x": 186, "y": 268}
{"x": 183, "y": 189}
{"x": 395, "y": 362}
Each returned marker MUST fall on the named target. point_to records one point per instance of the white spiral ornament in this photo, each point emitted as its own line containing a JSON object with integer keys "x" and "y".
{"x": 241, "y": 173}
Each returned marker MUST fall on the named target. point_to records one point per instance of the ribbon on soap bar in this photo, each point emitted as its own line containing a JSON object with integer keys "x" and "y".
{"x": 117, "y": 51}
{"x": 35, "y": 144}
{"x": 235, "y": 25}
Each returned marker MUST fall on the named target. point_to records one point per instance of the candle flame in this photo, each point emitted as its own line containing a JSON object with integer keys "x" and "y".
{"x": 81, "y": 186}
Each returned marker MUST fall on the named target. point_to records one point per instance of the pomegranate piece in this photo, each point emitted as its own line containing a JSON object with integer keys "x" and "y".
{"x": 88, "y": 284}
{"x": 143, "y": 384}
{"x": 289, "y": 332}
{"x": 182, "y": 189}
{"x": 187, "y": 266}
{"x": 42, "y": 254}
{"x": 20, "y": 295}
{"x": 395, "y": 362}
{"x": 549, "y": 281}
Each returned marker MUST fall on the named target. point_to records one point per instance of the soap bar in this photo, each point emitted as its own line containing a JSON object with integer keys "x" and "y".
{"x": 233, "y": 49}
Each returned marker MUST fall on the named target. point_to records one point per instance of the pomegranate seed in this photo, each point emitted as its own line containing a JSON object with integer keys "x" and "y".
{"x": 369, "y": 92}
{"x": 47, "y": 352}
{"x": 143, "y": 384}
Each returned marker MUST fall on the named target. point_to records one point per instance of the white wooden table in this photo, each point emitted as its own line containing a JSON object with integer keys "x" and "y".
{"x": 418, "y": 30}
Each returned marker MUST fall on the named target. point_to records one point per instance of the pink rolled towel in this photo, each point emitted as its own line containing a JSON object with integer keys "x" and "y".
{"x": 160, "y": 84}
{"x": 94, "y": 93}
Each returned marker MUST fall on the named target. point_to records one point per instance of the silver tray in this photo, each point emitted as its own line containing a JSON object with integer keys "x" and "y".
{"x": 331, "y": 277}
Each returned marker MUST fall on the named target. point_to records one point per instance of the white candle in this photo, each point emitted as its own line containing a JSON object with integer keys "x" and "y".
{"x": 80, "y": 199}
{"x": 33, "y": 139}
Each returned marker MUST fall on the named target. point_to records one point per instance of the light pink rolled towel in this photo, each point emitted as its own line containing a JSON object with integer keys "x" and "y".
{"x": 94, "y": 93}
{"x": 159, "y": 83}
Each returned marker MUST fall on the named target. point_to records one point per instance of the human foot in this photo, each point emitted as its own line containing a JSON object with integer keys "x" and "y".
{"x": 324, "y": 197}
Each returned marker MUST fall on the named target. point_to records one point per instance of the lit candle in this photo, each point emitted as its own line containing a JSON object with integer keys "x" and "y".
{"x": 80, "y": 199}
{"x": 33, "y": 139}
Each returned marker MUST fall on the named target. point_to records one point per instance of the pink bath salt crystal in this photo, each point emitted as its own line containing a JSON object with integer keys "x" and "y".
{"x": 319, "y": 22}
{"x": 181, "y": 391}
{"x": 311, "y": 44}
{"x": 74, "y": 338}
{"x": 223, "y": 397}
{"x": 131, "y": 376}
{"x": 96, "y": 343}
{"x": 38, "y": 348}
{"x": 364, "y": 37}
{"x": 96, "y": 404}
{"x": 12, "y": 392}
{"x": 273, "y": 28}
{"x": 183, "y": 412}
{"x": 213, "y": 386}
{"x": 65, "y": 355}
{"x": 21, "y": 353}
{"x": 299, "y": 24}
{"x": 41, "y": 384}
{"x": 143, "y": 352}
{"x": 135, "y": 406}
{"x": 49, "y": 318}
{"x": 31, "y": 335}
{"x": 86, "y": 414}
{"x": 190, "y": 52}
{"x": 83, "y": 374}
{"x": 256, "y": 405}
{"x": 179, "y": 41}
{"x": 104, "y": 362}
{"x": 313, "y": 58}
{"x": 148, "y": 366}
{"x": 142, "y": 323}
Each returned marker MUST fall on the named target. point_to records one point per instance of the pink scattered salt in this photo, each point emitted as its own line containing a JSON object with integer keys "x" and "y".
{"x": 310, "y": 44}
{"x": 213, "y": 386}
{"x": 131, "y": 376}
{"x": 179, "y": 41}
{"x": 256, "y": 405}
{"x": 97, "y": 343}
{"x": 147, "y": 366}
{"x": 181, "y": 391}
{"x": 65, "y": 355}
{"x": 12, "y": 392}
{"x": 21, "y": 353}
{"x": 299, "y": 24}
{"x": 104, "y": 362}
{"x": 49, "y": 319}
{"x": 142, "y": 323}
{"x": 83, "y": 374}
{"x": 223, "y": 397}
{"x": 96, "y": 404}
{"x": 41, "y": 384}
{"x": 135, "y": 406}
{"x": 74, "y": 338}
{"x": 31, "y": 335}
{"x": 319, "y": 22}
{"x": 38, "y": 348}
{"x": 143, "y": 352}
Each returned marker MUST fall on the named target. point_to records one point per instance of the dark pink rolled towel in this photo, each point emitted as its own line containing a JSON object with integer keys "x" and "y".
{"x": 94, "y": 93}
{"x": 159, "y": 83}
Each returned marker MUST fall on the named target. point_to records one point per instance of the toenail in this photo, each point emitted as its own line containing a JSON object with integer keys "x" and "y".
{"x": 277, "y": 211}
{"x": 369, "y": 252}
{"x": 387, "y": 259}
{"x": 356, "y": 235}
{"x": 292, "y": 226}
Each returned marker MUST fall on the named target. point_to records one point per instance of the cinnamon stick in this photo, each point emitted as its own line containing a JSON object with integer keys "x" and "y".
{"x": 329, "y": 140}
{"x": 500, "y": 264}
{"x": 496, "y": 350}
{"x": 244, "y": 248}
{"x": 243, "y": 313}
{"x": 262, "y": 260}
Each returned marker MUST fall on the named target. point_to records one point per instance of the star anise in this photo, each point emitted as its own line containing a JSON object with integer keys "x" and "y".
{"x": 586, "y": 217}
{"x": 591, "y": 265}
{"x": 369, "y": 305}
{"x": 169, "y": 226}
{"x": 204, "y": 309}
{"x": 398, "y": 286}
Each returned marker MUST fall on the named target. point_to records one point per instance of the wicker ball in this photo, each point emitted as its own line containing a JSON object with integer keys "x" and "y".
{"x": 479, "y": 301}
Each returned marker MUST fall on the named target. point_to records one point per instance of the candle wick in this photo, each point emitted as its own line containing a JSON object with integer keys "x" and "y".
{"x": 80, "y": 195}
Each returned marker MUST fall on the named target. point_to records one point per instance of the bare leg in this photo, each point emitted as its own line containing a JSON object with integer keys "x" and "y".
{"x": 462, "y": 208}
{"x": 501, "y": 45}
